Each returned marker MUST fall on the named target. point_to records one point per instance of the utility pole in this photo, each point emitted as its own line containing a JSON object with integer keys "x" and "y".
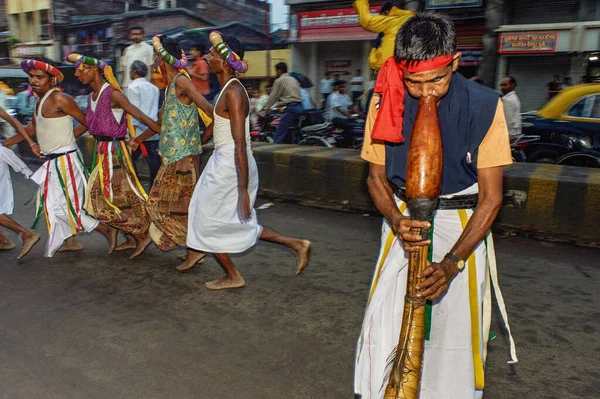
{"x": 494, "y": 17}
{"x": 268, "y": 37}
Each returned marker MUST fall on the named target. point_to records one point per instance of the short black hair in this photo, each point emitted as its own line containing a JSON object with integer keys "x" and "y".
{"x": 136, "y": 27}
{"x": 282, "y": 66}
{"x": 171, "y": 46}
{"x": 425, "y": 36}
{"x": 198, "y": 47}
{"x": 512, "y": 80}
{"x": 46, "y": 60}
{"x": 235, "y": 45}
{"x": 387, "y": 6}
{"x": 140, "y": 68}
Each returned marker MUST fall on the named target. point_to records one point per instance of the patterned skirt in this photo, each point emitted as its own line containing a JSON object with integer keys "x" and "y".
{"x": 114, "y": 195}
{"x": 169, "y": 201}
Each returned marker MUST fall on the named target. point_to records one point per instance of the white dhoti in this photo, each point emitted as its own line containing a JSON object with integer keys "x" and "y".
{"x": 8, "y": 158}
{"x": 62, "y": 184}
{"x": 213, "y": 221}
{"x": 455, "y": 353}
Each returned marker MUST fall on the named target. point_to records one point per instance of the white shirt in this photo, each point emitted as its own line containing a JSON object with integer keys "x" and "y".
{"x": 512, "y": 113}
{"x": 141, "y": 51}
{"x": 326, "y": 86}
{"x": 262, "y": 101}
{"x": 341, "y": 101}
{"x": 144, "y": 95}
{"x": 356, "y": 83}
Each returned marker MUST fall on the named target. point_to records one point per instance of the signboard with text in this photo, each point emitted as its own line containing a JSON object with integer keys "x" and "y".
{"x": 441, "y": 4}
{"x": 470, "y": 55}
{"x": 528, "y": 42}
{"x": 332, "y": 25}
{"x": 339, "y": 67}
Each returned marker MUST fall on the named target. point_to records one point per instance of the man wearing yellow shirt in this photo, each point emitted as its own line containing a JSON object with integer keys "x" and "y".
{"x": 388, "y": 22}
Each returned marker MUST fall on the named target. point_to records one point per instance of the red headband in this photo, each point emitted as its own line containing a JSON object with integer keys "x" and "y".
{"x": 427, "y": 65}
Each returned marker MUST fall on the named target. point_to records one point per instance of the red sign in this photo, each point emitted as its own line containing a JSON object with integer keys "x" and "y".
{"x": 339, "y": 67}
{"x": 528, "y": 42}
{"x": 332, "y": 25}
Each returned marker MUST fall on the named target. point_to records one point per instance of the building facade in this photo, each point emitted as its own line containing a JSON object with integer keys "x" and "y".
{"x": 542, "y": 38}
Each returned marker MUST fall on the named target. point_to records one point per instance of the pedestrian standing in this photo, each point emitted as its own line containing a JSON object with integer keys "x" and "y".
{"x": 512, "y": 105}
{"x": 357, "y": 88}
{"x": 144, "y": 95}
{"x": 325, "y": 87}
{"x": 139, "y": 50}
{"x": 553, "y": 87}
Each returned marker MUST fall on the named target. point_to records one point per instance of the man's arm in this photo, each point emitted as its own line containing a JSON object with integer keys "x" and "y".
{"x": 381, "y": 193}
{"x": 188, "y": 88}
{"x": 23, "y": 134}
{"x": 372, "y": 23}
{"x": 238, "y": 109}
{"x": 274, "y": 96}
{"x": 440, "y": 275}
{"x": 208, "y": 133}
{"x": 121, "y": 101}
{"x": 67, "y": 105}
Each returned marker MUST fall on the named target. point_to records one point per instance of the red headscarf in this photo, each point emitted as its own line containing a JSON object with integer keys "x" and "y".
{"x": 390, "y": 84}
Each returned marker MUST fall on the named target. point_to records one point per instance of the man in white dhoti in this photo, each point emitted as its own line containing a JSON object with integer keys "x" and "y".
{"x": 457, "y": 282}
{"x": 8, "y": 158}
{"x": 221, "y": 218}
{"x": 62, "y": 178}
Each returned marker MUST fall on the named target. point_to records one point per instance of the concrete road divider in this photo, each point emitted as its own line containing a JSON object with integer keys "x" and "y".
{"x": 551, "y": 201}
{"x": 558, "y": 202}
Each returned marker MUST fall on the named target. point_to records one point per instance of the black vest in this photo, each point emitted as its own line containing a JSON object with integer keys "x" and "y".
{"x": 466, "y": 114}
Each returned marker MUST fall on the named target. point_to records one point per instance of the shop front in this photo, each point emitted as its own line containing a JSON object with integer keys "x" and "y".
{"x": 533, "y": 54}
{"x": 330, "y": 41}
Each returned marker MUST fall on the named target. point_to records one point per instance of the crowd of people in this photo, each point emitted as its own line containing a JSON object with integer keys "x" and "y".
{"x": 213, "y": 212}
{"x": 183, "y": 207}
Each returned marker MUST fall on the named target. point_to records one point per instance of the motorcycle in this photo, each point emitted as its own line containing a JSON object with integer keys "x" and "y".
{"x": 517, "y": 145}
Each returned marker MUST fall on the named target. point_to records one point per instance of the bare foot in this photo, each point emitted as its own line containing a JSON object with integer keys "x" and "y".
{"x": 302, "y": 251}
{"x": 29, "y": 240}
{"x": 226, "y": 282}
{"x": 141, "y": 246}
{"x": 129, "y": 244}
{"x": 192, "y": 258}
{"x": 184, "y": 258}
{"x": 72, "y": 244}
{"x": 7, "y": 244}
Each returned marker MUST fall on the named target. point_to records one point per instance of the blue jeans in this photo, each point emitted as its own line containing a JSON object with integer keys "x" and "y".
{"x": 292, "y": 112}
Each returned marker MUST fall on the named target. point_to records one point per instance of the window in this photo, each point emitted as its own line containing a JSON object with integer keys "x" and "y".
{"x": 46, "y": 26}
{"x": 583, "y": 108}
{"x": 596, "y": 110}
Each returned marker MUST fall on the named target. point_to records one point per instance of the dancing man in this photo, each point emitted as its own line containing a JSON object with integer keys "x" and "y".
{"x": 115, "y": 195}
{"x": 179, "y": 147}
{"x": 475, "y": 148}
{"x": 62, "y": 178}
{"x": 8, "y": 158}
{"x": 222, "y": 219}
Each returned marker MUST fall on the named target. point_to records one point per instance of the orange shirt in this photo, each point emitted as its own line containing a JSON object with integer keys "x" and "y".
{"x": 200, "y": 67}
{"x": 158, "y": 80}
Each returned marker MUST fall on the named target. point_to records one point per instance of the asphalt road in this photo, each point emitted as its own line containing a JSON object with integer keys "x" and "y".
{"x": 93, "y": 325}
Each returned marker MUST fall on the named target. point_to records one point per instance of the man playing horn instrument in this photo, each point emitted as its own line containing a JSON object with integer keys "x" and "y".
{"x": 179, "y": 147}
{"x": 115, "y": 195}
{"x": 62, "y": 178}
{"x": 456, "y": 282}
